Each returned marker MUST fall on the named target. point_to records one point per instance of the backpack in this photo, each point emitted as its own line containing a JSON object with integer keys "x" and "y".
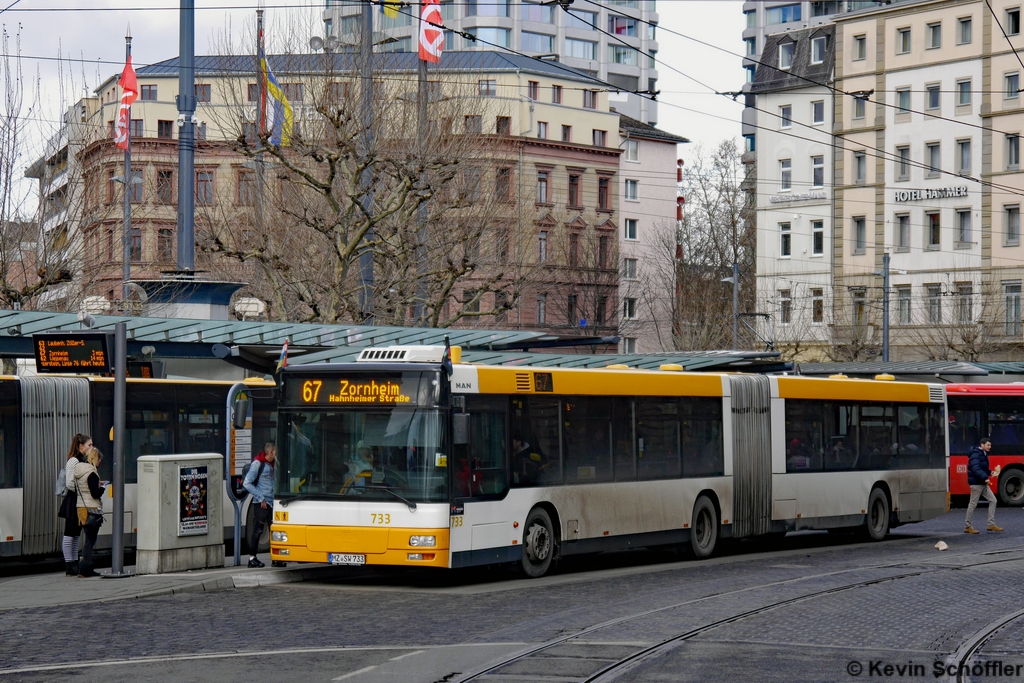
{"x": 259, "y": 471}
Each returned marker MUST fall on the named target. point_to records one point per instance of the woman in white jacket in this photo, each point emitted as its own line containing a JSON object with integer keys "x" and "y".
{"x": 90, "y": 494}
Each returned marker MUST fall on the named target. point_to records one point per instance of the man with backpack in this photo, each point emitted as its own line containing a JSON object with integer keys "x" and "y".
{"x": 259, "y": 481}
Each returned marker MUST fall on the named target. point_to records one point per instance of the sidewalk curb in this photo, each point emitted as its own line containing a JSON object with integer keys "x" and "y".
{"x": 252, "y": 580}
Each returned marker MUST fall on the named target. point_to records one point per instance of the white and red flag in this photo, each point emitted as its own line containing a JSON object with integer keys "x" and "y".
{"x": 130, "y": 90}
{"x": 431, "y": 33}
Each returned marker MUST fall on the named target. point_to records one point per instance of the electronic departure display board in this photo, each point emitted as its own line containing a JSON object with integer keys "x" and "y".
{"x": 357, "y": 390}
{"x": 74, "y": 352}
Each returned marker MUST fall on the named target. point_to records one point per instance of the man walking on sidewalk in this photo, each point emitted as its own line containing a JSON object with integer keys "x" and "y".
{"x": 259, "y": 481}
{"x": 977, "y": 476}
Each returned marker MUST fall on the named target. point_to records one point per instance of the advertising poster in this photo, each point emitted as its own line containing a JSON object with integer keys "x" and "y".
{"x": 193, "y": 517}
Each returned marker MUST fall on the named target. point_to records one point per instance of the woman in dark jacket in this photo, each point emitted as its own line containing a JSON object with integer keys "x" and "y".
{"x": 80, "y": 445}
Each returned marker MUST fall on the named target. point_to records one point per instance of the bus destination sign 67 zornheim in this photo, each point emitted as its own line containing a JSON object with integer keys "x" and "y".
{"x": 75, "y": 352}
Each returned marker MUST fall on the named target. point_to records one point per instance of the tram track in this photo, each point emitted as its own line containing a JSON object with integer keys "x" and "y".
{"x": 613, "y": 669}
{"x": 958, "y": 669}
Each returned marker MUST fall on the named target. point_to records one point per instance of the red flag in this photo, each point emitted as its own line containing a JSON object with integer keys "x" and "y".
{"x": 130, "y": 90}
{"x": 431, "y": 34}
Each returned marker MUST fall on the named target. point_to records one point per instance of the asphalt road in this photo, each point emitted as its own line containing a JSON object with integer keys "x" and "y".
{"x": 811, "y": 607}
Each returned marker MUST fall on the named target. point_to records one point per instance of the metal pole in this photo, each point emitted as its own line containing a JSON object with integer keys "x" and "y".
{"x": 885, "y": 307}
{"x": 421, "y": 212}
{"x": 186, "y": 137}
{"x": 236, "y": 503}
{"x": 735, "y": 306}
{"x": 120, "y": 390}
{"x": 366, "y": 180}
{"x": 126, "y": 251}
{"x": 261, "y": 98}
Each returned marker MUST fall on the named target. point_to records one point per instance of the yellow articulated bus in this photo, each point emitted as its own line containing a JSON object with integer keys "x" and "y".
{"x": 402, "y": 458}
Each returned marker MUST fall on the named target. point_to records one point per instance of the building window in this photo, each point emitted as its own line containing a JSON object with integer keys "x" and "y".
{"x": 542, "y": 130}
{"x": 487, "y": 8}
{"x": 603, "y": 252}
{"x": 751, "y": 16}
{"x": 629, "y": 268}
{"x": 903, "y": 314}
{"x": 556, "y": 94}
{"x": 903, "y": 232}
{"x": 147, "y": 93}
{"x": 963, "y": 93}
{"x": 817, "y": 306}
{"x": 931, "y": 96}
{"x": 135, "y": 245}
{"x": 165, "y": 186}
{"x": 542, "y": 187}
{"x": 933, "y": 157}
{"x": 785, "y": 306}
{"x": 902, "y": 41}
{"x": 603, "y": 196}
{"x": 786, "y": 51}
{"x": 580, "y": 49}
{"x": 785, "y": 240}
{"x": 859, "y": 308}
{"x": 963, "y": 34}
{"x": 574, "y": 249}
{"x": 751, "y": 72}
{"x": 590, "y": 99}
{"x": 860, "y": 235}
{"x": 1012, "y": 224}
{"x": 786, "y": 114}
{"x": 622, "y": 26}
{"x": 601, "y": 310}
{"x": 818, "y": 46}
{"x": 786, "y": 174}
{"x": 503, "y": 184}
{"x": 632, "y": 150}
{"x": 963, "y": 156}
{"x": 632, "y": 190}
{"x": 487, "y": 88}
{"x": 503, "y": 125}
{"x": 473, "y": 123}
{"x": 782, "y": 15}
{"x": 165, "y": 244}
{"x": 574, "y": 190}
{"x": 817, "y": 112}
{"x": 542, "y": 246}
{"x": 964, "y": 302}
{"x": 860, "y": 168}
{"x": 934, "y": 36}
{"x": 1013, "y": 309}
{"x": 136, "y": 129}
{"x": 253, "y": 92}
{"x": 571, "y": 309}
{"x": 1012, "y": 151}
{"x": 963, "y": 226}
{"x": 933, "y": 303}
{"x": 630, "y": 228}
{"x": 1013, "y": 21}
{"x": 817, "y": 238}
{"x": 629, "y": 345}
{"x": 1012, "y": 85}
{"x": 165, "y": 129}
{"x": 599, "y": 138}
{"x": 203, "y": 92}
{"x": 533, "y": 90}
{"x": 859, "y": 107}
{"x": 626, "y": 56}
{"x": 628, "y": 308}
{"x": 818, "y": 171}
{"x": 860, "y": 48}
{"x": 903, "y": 100}
{"x": 135, "y": 187}
{"x": 933, "y": 224}
{"x": 246, "y": 188}
{"x": 751, "y": 46}
{"x": 204, "y": 187}
{"x": 542, "y": 309}
{"x": 566, "y": 133}
{"x": 294, "y": 92}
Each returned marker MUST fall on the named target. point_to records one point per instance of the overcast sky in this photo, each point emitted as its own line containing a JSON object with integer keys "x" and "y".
{"x": 52, "y": 28}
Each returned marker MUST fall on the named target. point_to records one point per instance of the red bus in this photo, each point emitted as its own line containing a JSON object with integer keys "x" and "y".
{"x": 995, "y": 411}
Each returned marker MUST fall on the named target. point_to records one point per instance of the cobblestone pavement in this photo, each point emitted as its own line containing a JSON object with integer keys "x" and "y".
{"x": 401, "y": 626}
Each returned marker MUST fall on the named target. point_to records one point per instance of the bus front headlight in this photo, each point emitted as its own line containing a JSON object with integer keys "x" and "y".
{"x": 279, "y": 536}
{"x": 423, "y": 541}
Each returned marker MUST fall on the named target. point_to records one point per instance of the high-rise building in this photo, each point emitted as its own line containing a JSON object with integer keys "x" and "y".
{"x": 541, "y": 29}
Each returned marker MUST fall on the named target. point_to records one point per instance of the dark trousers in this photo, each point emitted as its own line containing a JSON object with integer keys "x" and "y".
{"x": 261, "y": 516}
{"x": 91, "y": 532}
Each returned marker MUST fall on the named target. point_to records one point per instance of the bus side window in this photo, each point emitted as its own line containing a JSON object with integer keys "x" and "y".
{"x": 487, "y": 454}
{"x": 535, "y": 446}
{"x": 1006, "y": 425}
{"x": 964, "y": 425}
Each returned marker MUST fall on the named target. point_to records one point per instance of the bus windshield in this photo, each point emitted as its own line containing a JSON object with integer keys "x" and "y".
{"x": 373, "y": 454}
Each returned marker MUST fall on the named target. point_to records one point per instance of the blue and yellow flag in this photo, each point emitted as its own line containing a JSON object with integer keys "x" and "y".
{"x": 390, "y": 9}
{"x": 281, "y": 132}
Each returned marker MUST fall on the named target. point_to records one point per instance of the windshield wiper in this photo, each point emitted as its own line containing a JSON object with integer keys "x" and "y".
{"x": 301, "y": 496}
{"x": 412, "y": 505}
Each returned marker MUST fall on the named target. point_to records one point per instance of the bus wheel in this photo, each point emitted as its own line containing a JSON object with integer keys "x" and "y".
{"x": 538, "y": 543}
{"x": 704, "y": 528}
{"x": 877, "y": 522}
{"x": 1011, "y": 487}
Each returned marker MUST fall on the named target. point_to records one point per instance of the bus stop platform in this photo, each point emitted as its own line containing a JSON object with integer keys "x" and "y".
{"x": 51, "y": 589}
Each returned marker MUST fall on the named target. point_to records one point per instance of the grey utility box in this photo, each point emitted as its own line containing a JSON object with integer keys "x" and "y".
{"x": 180, "y": 513}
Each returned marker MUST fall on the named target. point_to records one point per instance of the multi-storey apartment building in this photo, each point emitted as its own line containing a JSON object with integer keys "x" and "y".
{"x": 623, "y": 59}
{"x": 647, "y": 235}
{"x": 551, "y": 182}
{"x": 927, "y": 120}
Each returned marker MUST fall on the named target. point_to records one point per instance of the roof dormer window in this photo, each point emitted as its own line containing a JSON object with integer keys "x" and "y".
{"x": 786, "y": 51}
